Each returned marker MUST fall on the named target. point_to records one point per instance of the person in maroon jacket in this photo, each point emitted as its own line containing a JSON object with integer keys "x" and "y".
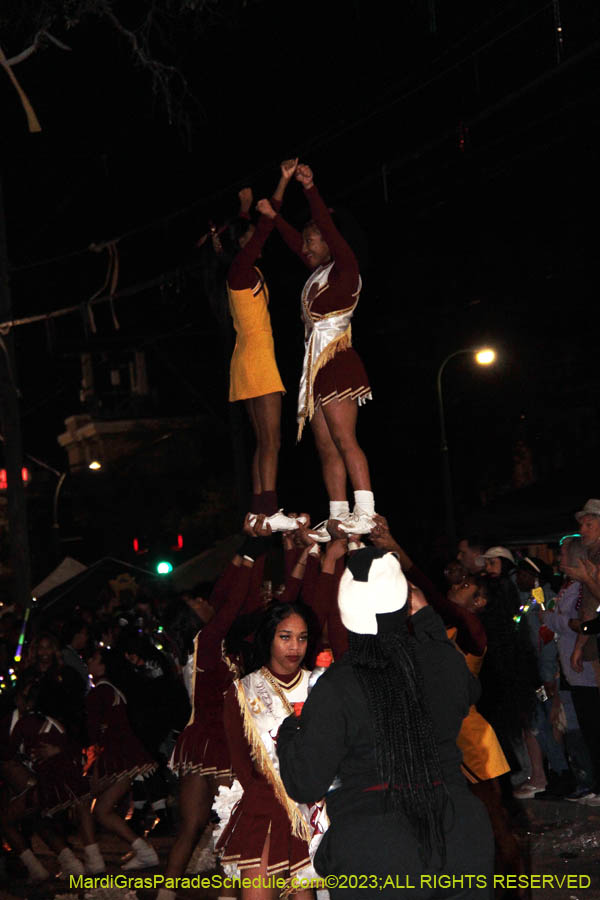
{"x": 54, "y": 760}
{"x": 201, "y": 758}
{"x": 334, "y": 382}
{"x": 118, "y": 756}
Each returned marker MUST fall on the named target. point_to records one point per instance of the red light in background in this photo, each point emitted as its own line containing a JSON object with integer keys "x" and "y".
{"x": 25, "y": 475}
{"x": 136, "y": 545}
{"x": 179, "y": 541}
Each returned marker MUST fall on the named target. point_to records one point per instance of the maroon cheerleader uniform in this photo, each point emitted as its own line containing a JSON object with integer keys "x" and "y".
{"x": 119, "y": 752}
{"x": 60, "y": 779}
{"x": 337, "y": 373}
{"x": 261, "y": 812}
{"x": 201, "y": 748}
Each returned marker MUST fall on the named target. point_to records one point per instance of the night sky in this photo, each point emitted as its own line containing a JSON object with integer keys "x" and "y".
{"x": 451, "y": 133}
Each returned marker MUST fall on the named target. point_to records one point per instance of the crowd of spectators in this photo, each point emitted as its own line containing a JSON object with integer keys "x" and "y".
{"x": 526, "y": 625}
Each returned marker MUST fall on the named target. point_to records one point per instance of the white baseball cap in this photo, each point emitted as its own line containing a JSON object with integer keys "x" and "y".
{"x": 495, "y": 553}
{"x": 591, "y": 508}
{"x": 373, "y": 584}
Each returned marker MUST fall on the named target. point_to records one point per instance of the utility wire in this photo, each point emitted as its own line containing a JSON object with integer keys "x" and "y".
{"x": 316, "y": 142}
{"x": 131, "y": 291}
{"x": 398, "y": 163}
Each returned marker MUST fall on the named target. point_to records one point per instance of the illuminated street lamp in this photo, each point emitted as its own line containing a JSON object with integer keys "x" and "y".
{"x": 94, "y": 465}
{"x": 483, "y": 356}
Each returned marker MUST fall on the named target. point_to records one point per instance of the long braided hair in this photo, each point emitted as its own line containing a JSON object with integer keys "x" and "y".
{"x": 407, "y": 758}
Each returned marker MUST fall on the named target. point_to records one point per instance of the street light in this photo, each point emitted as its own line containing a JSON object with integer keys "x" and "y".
{"x": 94, "y": 465}
{"x": 483, "y": 356}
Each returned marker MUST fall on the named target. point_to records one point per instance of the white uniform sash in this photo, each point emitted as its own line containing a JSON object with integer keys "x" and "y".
{"x": 324, "y": 336}
{"x": 264, "y": 705}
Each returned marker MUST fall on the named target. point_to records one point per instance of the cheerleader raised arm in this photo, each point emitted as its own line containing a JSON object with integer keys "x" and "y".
{"x": 334, "y": 382}
{"x": 254, "y": 376}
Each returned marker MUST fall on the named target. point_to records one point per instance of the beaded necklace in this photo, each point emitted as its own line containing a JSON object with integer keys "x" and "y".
{"x": 279, "y": 687}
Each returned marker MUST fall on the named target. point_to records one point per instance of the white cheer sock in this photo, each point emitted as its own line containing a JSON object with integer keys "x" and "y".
{"x": 36, "y": 870}
{"x": 164, "y": 894}
{"x": 69, "y": 863}
{"x": 93, "y": 859}
{"x": 338, "y": 509}
{"x": 365, "y": 502}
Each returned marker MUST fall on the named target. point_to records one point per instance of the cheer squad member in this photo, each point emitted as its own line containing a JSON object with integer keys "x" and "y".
{"x": 333, "y": 382}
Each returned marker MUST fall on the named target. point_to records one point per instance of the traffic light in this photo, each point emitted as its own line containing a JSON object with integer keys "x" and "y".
{"x": 163, "y": 552}
{"x": 25, "y": 477}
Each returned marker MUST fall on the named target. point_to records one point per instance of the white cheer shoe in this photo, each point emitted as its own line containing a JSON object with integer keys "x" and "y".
{"x": 279, "y": 521}
{"x": 357, "y": 522}
{"x": 319, "y": 533}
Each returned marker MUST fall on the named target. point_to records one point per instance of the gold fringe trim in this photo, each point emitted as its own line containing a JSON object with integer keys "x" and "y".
{"x": 262, "y": 759}
{"x": 73, "y": 799}
{"x": 108, "y": 780}
{"x": 193, "y": 697}
{"x": 343, "y": 342}
{"x": 185, "y": 768}
{"x": 231, "y": 665}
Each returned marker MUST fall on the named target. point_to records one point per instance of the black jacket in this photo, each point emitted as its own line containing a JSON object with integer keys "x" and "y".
{"x": 334, "y": 737}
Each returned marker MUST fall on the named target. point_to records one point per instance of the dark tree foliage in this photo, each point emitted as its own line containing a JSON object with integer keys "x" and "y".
{"x": 154, "y": 33}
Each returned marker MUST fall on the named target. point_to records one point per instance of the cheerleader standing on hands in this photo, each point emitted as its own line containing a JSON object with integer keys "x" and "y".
{"x": 334, "y": 382}
{"x": 254, "y": 376}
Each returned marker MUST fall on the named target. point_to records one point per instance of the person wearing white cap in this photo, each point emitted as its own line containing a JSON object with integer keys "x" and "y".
{"x": 586, "y": 648}
{"x": 492, "y": 560}
{"x": 582, "y": 694}
{"x": 383, "y": 721}
{"x": 500, "y": 565}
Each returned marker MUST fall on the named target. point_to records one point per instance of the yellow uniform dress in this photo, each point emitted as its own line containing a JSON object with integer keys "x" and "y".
{"x": 483, "y": 757}
{"x": 253, "y": 371}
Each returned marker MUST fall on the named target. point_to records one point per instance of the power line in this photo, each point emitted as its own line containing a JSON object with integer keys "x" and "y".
{"x": 131, "y": 291}
{"x": 328, "y": 137}
{"x": 313, "y": 143}
{"x": 477, "y": 119}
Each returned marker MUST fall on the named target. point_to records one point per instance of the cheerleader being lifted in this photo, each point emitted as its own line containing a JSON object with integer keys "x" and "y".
{"x": 334, "y": 382}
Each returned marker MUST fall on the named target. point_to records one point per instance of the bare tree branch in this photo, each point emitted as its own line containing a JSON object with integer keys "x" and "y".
{"x": 163, "y": 24}
{"x": 37, "y": 43}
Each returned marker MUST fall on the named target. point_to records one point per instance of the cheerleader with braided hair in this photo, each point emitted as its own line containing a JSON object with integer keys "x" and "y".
{"x": 383, "y": 722}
